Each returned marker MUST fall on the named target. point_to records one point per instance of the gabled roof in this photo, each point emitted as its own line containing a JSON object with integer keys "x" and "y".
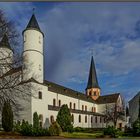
{"x": 33, "y": 23}
{"x": 136, "y": 96}
{"x": 67, "y": 91}
{"x": 5, "y": 42}
{"x": 92, "y": 79}
{"x": 111, "y": 98}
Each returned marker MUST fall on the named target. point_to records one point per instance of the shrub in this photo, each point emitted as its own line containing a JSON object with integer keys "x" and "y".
{"x": 55, "y": 129}
{"x": 40, "y": 132}
{"x": 136, "y": 127}
{"x": 17, "y": 126}
{"x": 26, "y": 129}
{"x": 78, "y": 129}
{"x": 64, "y": 118}
{"x": 35, "y": 120}
{"x": 70, "y": 129}
{"x": 112, "y": 131}
{"x": 128, "y": 131}
{"x": 7, "y": 117}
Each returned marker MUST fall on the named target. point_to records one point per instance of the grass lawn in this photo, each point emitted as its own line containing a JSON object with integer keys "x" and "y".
{"x": 129, "y": 137}
{"x": 82, "y": 135}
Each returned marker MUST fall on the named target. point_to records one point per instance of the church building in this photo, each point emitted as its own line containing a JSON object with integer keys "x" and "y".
{"x": 87, "y": 109}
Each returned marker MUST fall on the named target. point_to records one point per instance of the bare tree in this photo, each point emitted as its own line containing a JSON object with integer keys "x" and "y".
{"x": 11, "y": 85}
{"x": 9, "y": 28}
{"x": 113, "y": 113}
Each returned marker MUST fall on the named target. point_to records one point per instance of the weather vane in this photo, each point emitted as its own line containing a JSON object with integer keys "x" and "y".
{"x": 33, "y": 10}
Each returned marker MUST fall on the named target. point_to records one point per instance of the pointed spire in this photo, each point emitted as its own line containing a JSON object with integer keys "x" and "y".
{"x": 92, "y": 80}
{"x": 5, "y": 43}
{"x": 33, "y": 23}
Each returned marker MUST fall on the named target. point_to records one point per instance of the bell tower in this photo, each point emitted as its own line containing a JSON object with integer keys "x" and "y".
{"x": 93, "y": 89}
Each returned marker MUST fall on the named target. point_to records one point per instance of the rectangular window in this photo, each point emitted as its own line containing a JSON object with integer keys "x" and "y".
{"x": 96, "y": 119}
{"x": 40, "y": 95}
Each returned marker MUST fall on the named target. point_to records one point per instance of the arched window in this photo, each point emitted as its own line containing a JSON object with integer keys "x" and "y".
{"x": 70, "y": 105}
{"x": 91, "y": 119}
{"x": 52, "y": 119}
{"x": 82, "y": 107}
{"x": 85, "y": 119}
{"x": 79, "y": 118}
{"x": 85, "y": 108}
{"x": 54, "y": 102}
{"x": 94, "y": 93}
{"x": 40, "y": 95}
{"x": 59, "y": 103}
{"x": 96, "y": 119}
{"x": 72, "y": 118}
{"x": 90, "y": 93}
{"x": 74, "y": 106}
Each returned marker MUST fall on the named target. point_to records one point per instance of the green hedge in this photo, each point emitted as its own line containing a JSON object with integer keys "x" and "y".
{"x": 27, "y": 129}
{"x": 87, "y": 130}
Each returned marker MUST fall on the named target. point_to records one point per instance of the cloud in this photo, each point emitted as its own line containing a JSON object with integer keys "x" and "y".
{"x": 72, "y": 29}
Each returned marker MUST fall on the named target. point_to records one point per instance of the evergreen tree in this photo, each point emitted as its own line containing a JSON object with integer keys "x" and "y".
{"x": 7, "y": 117}
{"x": 64, "y": 119}
{"x": 35, "y": 120}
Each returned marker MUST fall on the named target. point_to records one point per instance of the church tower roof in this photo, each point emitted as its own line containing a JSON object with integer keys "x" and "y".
{"x": 92, "y": 79}
{"x": 5, "y": 43}
{"x": 33, "y": 23}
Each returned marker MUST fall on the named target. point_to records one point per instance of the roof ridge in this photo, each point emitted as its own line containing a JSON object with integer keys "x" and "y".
{"x": 64, "y": 87}
{"x": 110, "y": 94}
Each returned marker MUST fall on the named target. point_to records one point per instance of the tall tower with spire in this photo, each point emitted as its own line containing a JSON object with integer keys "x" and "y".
{"x": 93, "y": 89}
{"x": 33, "y": 59}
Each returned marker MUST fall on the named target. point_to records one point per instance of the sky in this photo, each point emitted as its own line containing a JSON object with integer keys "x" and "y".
{"x": 76, "y": 30}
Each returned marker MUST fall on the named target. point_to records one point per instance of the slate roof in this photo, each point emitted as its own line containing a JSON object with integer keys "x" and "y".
{"x": 136, "y": 96}
{"x": 111, "y": 98}
{"x": 67, "y": 91}
{"x": 5, "y": 42}
{"x": 92, "y": 79}
{"x": 33, "y": 24}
